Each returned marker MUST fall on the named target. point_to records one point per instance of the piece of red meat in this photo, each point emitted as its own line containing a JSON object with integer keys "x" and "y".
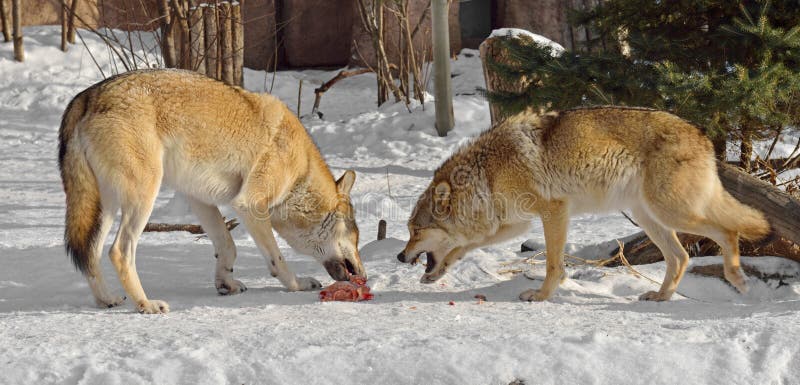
{"x": 349, "y": 291}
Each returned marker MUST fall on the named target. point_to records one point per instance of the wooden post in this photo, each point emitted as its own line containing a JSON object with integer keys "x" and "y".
{"x": 226, "y": 38}
{"x": 16, "y": 19}
{"x": 64, "y": 24}
{"x": 299, "y": 94}
{"x": 167, "y": 40}
{"x": 381, "y": 230}
{"x": 197, "y": 38}
{"x": 73, "y": 11}
{"x": 211, "y": 37}
{"x": 4, "y": 20}
{"x": 238, "y": 43}
{"x": 441, "y": 67}
{"x": 181, "y": 8}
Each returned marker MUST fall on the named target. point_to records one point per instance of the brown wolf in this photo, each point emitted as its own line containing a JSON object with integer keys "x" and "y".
{"x": 595, "y": 159}
{"x": 216, "y": 144}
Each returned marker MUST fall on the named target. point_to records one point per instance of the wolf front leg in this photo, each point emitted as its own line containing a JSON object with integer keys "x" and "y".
{"x": 555, "y": 219}
{"x": 256, "y": 220}
{"x": 224, "y": 249}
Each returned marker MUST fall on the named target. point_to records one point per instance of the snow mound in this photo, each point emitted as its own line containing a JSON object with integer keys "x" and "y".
{"x": 558, "y": 49}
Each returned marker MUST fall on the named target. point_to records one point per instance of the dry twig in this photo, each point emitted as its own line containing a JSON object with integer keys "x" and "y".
{"x": 194, "y": 229}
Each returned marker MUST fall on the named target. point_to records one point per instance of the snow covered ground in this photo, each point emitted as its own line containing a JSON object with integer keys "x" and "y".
{"x": 593, "y": 331}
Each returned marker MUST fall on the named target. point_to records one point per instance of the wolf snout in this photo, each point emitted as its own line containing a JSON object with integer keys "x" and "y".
{"x": 337, "y": 270}
{"x": 403, "y": 258}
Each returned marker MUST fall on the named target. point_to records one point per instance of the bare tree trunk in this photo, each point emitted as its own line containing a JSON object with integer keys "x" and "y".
{"x": 419, "y": 88}
{"x": 226, "y": 37}
{"x": 197, "y": 38}
{"x": 746, "y": 149}
{"x": 16, "y": 19}
{"x": 72, "y": 12}
{"x": 167, "y": 39}
{"x": 237, "y": 27}
{"x": 720, "y": 143}
{"x": 211, "y": 37}
{"x": 64, "y": 25}
{"x": 441, "y": 66}
{"x": 4, "y": 21}
{"x": 180, "y": 7}
{"x": 371, "y": 14}
{"x": 383, "y": 90}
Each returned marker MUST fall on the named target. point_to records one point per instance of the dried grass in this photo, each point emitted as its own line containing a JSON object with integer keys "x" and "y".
{"x": 571, "y": 260}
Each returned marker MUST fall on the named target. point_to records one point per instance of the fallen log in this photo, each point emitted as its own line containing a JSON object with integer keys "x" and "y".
{"x": 717, "y": 271}
{"x": 781, "y": 209}
{"x": 641, "y": 251}
{"x": 194, "y": 229}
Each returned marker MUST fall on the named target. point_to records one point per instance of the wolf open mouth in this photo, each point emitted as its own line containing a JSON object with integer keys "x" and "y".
{"x": 349, "y": 266}
{"x": 340, "y": 271}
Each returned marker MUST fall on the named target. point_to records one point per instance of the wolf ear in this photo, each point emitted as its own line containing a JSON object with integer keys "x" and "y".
{"x": 441, "y": 198}
{"x": 345, "y": 183}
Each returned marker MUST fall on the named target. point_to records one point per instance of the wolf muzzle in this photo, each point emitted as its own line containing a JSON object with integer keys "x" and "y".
{"x": 341, "y": 271}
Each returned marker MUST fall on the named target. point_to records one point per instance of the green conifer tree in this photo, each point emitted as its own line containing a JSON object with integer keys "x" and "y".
{"x": 731, "y": 67}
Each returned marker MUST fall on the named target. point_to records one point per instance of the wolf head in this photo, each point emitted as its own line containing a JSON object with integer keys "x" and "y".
{"x": 331, "y": 237}
{"x": 433, "y": 230}
{"x": 337, "y": 248}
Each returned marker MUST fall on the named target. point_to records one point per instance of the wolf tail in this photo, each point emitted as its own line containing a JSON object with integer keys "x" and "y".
{"x": 82, "y": 222}
{"x": 736, "y": 216}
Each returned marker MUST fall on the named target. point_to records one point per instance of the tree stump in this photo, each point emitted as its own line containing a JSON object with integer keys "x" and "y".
{"x": 491, "y": 51}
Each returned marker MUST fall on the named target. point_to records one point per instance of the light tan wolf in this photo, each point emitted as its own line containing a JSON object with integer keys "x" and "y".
{"x": 594, "y": 159}
{"x": 216, "y": 144}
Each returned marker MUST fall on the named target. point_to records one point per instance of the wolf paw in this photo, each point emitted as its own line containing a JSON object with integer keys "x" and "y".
{"x": 533, "y": 295}
{"x": 656, "y": 296}
{"x": 308, "y": 283}
{"x": 153, "y": 307}
{"x": 230, "y": 287}
{"x": 736, "y": 278}
{"x": 109, "y": 302}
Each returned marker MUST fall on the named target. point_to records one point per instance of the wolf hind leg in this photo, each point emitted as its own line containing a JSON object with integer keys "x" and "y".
{"x": 224, "y": 249}
{"x": 675, "y": 256}
{"x": 695, "y": 221}
{"x": 94, "y": 274}
{"x": 137, "y": 202}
